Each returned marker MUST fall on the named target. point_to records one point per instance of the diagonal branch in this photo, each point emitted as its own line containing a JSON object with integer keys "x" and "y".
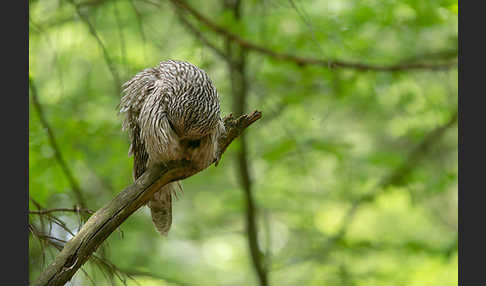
{"x": 302, "y": 61}
{"x": 138, "y": 15}
{"x": 107, "y": 219}
{"x": 106, "y": 55}
{"x": 396, "y": 176}
{"x": 52, "y": 141}
{"x": 198, "y": 34}
{"x": 202, "y": 38}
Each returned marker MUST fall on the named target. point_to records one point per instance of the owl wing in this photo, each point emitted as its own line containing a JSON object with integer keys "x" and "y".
{"x": 137, "y": 146}
{"x": 137, "y": 90}
{"x": 140, "y": 155}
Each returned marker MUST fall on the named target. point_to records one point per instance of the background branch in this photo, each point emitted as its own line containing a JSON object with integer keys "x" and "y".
{"x": 239, "y": 90}
{"x": 75, "y": 210}
{"x": 106, "y": 55}
{"x": 397, "y": 175}
{"x": 303, "y": 61}
{"x": 52, "y": 141}
{"x": 411, "y": 162}
{"x": 196, "y": 33}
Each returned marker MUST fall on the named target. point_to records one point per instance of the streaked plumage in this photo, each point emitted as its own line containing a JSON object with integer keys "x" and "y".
{"x": 171, "y": 112}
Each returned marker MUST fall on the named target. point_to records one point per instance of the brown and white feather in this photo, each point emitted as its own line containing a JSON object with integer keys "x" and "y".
{"x": 172, "y": 112}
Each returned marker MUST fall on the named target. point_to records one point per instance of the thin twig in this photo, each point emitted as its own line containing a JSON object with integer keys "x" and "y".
{"x": 439, "y": 55}
{"x": 87, "y": 276}
{"x": 50, "y": 218}
{"x": 75, "y": 210}
{"x": 58, "y": 244}
{"x": 303, "y": 61}
{"x": 111, "y": 268}
{"x": 32, "y": 229}
{"x": 53, "y": 241}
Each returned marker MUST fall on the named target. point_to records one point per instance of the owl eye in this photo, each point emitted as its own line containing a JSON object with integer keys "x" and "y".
{"x": 194, "y": 143}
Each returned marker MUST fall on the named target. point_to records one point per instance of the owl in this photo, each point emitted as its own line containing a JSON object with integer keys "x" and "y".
{"x": 171, "y": 112}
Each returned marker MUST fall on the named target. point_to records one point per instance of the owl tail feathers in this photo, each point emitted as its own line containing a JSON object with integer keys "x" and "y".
{"x": 161, "y": 208}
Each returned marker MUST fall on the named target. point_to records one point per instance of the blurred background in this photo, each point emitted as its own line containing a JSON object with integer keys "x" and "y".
{"x": 350, "y": 177}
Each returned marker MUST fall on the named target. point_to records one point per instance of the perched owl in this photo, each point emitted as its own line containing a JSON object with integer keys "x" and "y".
{"x": 171, "y": 112}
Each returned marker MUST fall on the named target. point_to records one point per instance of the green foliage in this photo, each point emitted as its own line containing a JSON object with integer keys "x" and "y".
{"x": 328, "y": 136}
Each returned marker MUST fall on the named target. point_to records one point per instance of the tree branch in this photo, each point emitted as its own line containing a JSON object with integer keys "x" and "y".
{"x": 397, "y": 175}
{"x": 302, "y": 61}
{"x": 52, "y": 141}
{"x": 139, "y": 22}
{"x": 106, "y": 55}
{"x": 239, "y": 88}
{"x": 394, "y": 177}
{"x": 75, "y": 210}
{"x": 107, "y": 219}
{"x": 202, "y": 38}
